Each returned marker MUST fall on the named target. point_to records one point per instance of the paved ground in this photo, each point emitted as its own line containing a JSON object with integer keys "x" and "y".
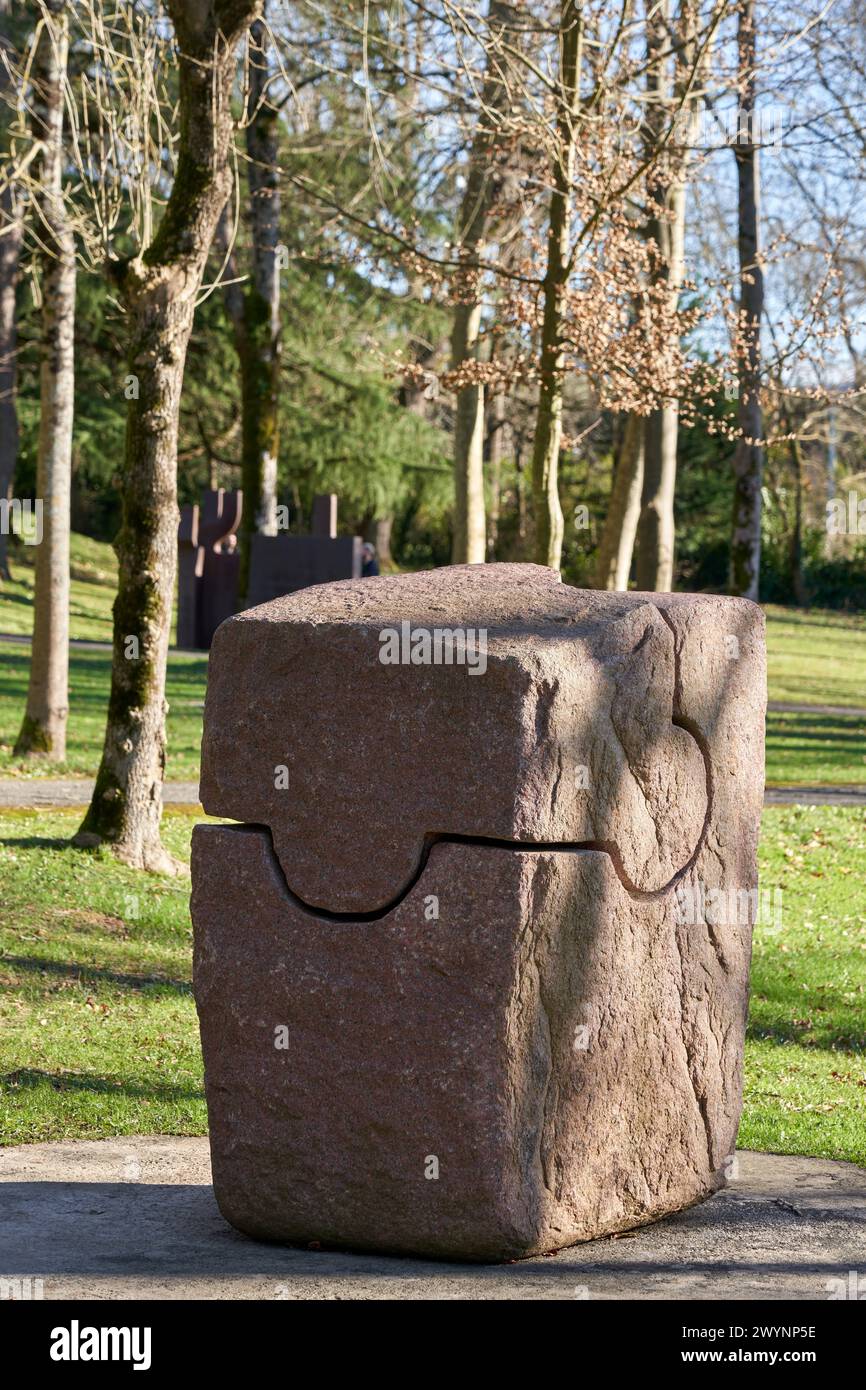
{"x": 136, "y": 1218}
{"x": 38, "y": 793}
{"x": 22, "y": 639}
{"x": 815, "y": 796}
{"x": 795, "y": 707}
{"x": 24, "y": 793}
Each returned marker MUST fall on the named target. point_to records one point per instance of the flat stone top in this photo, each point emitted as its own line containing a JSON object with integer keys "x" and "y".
{"x": 494, "y": 596}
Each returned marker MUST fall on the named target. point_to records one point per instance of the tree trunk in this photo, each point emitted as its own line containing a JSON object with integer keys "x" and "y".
{"x": 11, "y": 236}
{"x": 496, "y": 448}
{"x": 829, "y": 533}
{"x": 655, "y": 532}
{"x": 620, "y": 524}
{"x": 549, "y": 525}
{"x": 520, "y": 493}
{"x": 10, "y": 254}
{"x": 260, "y": 346}
{"x": 655, "y": 546}
{"x": 795, "y": 549}
{"x": 749, "y": 454}
{"x": 158, "y": 289}
{"x": 43, "y": 729}
{"x": 379, "y": 536}
{"x": 469, "y": 540}
{"x": 254, "y": 311}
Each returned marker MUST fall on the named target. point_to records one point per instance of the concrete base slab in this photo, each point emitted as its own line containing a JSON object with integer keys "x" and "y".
{"x": 135, "y": 1219}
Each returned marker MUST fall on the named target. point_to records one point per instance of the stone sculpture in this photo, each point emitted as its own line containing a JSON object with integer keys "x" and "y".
{"x": 449, "y": 1001}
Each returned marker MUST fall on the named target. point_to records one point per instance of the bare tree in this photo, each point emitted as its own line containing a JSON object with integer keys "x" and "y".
{"x": 469, "y": 539}
{"x": 562, "y": 255}
{"x": 745, "y": 565}
{"x": 549, "y": 525}
{"x": 43, "y": 729}
{"x": 158, "y": 288}
{"x": 258, "y": 332}
{"x": 666, "y": 228}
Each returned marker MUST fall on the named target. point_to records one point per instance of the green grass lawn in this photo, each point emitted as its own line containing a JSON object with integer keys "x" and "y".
{"x": 806, "y": 1050}
{"x": 815, "y": 748}
{"x": 816, "y": 657}
{"x": 93, "y": 579}
{"x": 98, "y": 1033}
{"x": 93, "y": 570}
{"x": 89, "y": 678}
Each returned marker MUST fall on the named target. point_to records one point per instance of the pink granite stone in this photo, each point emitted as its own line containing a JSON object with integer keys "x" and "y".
{"x": 460, "y": 937}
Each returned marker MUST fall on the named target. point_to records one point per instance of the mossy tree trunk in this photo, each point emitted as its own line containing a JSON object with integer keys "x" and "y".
{"x": 10, "y": 252}
{"x": 158, "y": 289}
{"x": 549, "y": 526}
{"x": 749, "y": 454}
{"x": 43, "y": 729}
{"x": 11, "y": 235}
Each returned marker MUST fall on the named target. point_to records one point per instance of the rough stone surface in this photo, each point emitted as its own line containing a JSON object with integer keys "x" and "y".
{"x": 532, "y": 1040}
{"x": 556, "y": 1037}
{"x": 135, "y": 1218}
{"x": 580, "y": 687}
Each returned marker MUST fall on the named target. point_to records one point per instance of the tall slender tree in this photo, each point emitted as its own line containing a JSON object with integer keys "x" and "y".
{"x": 43, "y": 729}
{"x": 259, "y": 329}
{"x": 497, "y": 426}
{"x": 666, "y": 229}
{"x": 620, "y": 524}
{"x": 158, "y": 287}
{"x": 11, "y": 238}
{"x": 549, "y": 525}
{"x": 745, "y": 565}
{"x": 469, "y": 536}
